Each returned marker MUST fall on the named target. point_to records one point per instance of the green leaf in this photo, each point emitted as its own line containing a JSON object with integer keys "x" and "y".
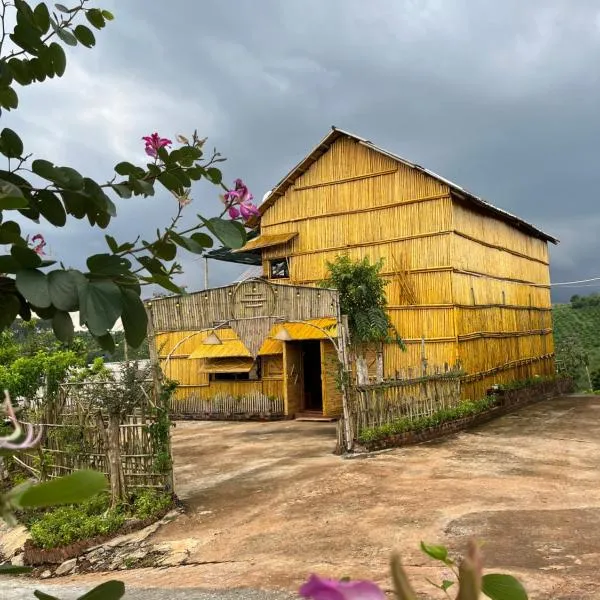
{"x": 33, "y": 284}
{"x": 9, "y": 309}
{"x": 59, "y": 58}
{"x": 446, "y": 584}
{"x": 44, "y": 169}
{"x": 62, "y": 8}
{"x": 214, "y": 175}
{"x": 197, "y": 246}
{"x": 109, "y": 590}
{"x": 70, "y": 178}
{"x": 502, "y": 587}
{"x": 42, "y": 17}
{"x": 21, "y": 70}
{"x": 134, "y": 318}
{"x": 165, "y": 282}
{"x": 26, "y": 257}
{"x": 10, "y": 143}
{"x": 38, "y": 68}
{"x": 108, "y": 15}
{"x": 165, "y": 250}
{"x": 196, "y": 172}
{"x": 112, "y": 243}
{"x": 13, "y": 570}
{"x": 70, "y": 489}
{"x": 75, "y": 204}
{"x": 95, "y": 17}
{"x": 153, "y": 265}
{"x": 106, "y": 342}
{"x": 122, "y": 189}
{"x": 85, "y": 36}
{"x": 66, "y": 36}
{"x": 10, "y": 233}
{"x": 100, "y": 304}
{"x": 170, "y": 182}
{"x": 62, "y": 325}
{"x": 126, "y": 168}
{"x": 436, "y": 552}
{"x": 11, "y": 196}
{"x": 8, "y": 98}
{"x": 63, "y": 288}
{"x": 202, "y": 239}
{"x": 108, "y": 264}
{"x": 51, "y": 208}
{"x": 43, "y": 596}
{"x": 140, "y": 186}
{"x": 8, "y": 264}
{"x": 226, "y": 231}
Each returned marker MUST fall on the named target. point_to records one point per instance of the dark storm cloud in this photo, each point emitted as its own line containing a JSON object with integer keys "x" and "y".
{"x": 500, "y": 97}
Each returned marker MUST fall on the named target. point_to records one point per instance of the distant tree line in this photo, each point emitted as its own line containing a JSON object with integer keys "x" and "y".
{"x": 37, "y": 335}
{"x": 578, "y": 301}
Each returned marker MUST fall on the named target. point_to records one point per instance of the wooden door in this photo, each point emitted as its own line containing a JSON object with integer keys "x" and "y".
{"x": 293, "y": 377}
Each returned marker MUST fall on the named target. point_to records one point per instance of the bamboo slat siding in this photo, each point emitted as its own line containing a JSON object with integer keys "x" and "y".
{"x": 483, "y": 227}
{"x": 227, "y": 406}
{"x": 490, "y": 278}
{"x": 205, "y": 309}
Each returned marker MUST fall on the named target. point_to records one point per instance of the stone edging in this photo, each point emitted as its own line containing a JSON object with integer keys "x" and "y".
{"x": 508, "y": 402}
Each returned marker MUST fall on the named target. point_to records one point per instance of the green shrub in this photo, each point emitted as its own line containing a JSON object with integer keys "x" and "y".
{"x": 150, "y": 503}
{"x": 69, "y": 524}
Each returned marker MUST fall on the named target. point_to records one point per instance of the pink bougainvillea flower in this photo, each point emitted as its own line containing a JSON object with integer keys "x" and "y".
{"x": 239, "y": 201}
{"x": 13, "y": 441}
{"x": 154, "y": 143}
{"x": 233, "y": 211}
{"x": 39, "y": 248}
{"x": 317, "y": 588}
{"x": 248, "y": 210}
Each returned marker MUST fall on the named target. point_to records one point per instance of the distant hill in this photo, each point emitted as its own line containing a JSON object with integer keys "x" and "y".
{"x": 579, "y": 319}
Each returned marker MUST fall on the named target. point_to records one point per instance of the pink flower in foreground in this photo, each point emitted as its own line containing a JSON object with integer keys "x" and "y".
{"x": 14, "y": 441}
{"x": 239, "y": 201}
{"x": 154, "y": 143}
{"x": 39, "y": 247}
{"x": 317, "y": 588}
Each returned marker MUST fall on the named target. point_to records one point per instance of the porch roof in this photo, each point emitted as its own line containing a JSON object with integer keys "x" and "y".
{"x": 227, "y": 365}
{"x": 266, "y": 241}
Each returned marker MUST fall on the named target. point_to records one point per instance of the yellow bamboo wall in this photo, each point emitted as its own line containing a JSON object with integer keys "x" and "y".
{"x": 470, "y": 274}
{"x": 332, "y": 396}
{"x": 193, "y": 382}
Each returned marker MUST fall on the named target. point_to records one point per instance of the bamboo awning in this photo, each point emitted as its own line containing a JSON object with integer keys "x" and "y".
{"x": 271, "y": 347}
{"x": 312, "y": 329}
{"x": 266, "y": 241}
{"x": 230, "y": 346}
{"x": 227, "y": 365}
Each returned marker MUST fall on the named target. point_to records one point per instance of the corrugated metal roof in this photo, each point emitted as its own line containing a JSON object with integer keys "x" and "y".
{"x": 227, "y": 365}
{"x": 265, "y": 241}
{"x": 458, "y": 191}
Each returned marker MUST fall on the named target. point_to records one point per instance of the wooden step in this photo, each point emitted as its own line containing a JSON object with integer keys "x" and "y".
{"x": 313, "y": 416}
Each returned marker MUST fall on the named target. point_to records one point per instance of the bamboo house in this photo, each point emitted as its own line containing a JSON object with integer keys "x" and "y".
{"x": 468, "y": 283}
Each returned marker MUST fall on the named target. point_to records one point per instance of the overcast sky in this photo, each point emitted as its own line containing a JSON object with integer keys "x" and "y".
{"x": 500, "y": 97}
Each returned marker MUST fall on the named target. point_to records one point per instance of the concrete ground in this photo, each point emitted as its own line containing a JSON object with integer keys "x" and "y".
{"x": 268, "y": 503}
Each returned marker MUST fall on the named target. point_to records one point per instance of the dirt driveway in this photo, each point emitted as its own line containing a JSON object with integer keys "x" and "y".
{"x": 269, "y": 503}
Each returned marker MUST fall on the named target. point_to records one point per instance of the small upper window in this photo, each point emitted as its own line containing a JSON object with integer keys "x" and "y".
{"x": 279, "y": 269}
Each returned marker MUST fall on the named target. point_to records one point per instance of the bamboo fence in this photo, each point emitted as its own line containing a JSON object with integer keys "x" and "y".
{"x": 254, "y": 405}
{"x": 76, "y": 442}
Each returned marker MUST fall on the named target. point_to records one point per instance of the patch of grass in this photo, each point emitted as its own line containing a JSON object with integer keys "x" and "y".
{"x": 67, "y": 524}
